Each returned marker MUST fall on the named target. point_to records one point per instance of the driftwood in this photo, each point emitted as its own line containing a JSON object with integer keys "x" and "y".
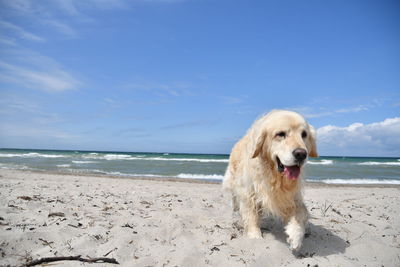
{"x": 71, "y": 258}
{"x": 59, "y": 214}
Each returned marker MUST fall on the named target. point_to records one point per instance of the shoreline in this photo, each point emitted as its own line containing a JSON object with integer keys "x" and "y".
{"x": 148, "y": 222}
{"x": 171, "y": 153}
{"x": 194, "y": 180}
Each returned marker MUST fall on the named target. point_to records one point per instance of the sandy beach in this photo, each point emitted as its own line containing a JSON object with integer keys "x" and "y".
{"x": 142, "y": 222}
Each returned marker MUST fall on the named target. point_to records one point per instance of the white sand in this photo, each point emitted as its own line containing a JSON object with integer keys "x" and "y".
{"x": 160, "y": 223}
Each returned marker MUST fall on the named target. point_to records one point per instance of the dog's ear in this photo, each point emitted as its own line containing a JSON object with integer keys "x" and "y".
{"x": 258, "y": 142}
{"x": 313, "y": 139}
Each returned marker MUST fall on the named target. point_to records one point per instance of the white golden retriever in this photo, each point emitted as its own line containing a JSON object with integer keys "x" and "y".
{"x": 264, "y": 171}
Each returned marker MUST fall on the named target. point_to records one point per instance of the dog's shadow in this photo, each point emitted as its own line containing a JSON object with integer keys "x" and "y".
{"x": 318, "y": 240}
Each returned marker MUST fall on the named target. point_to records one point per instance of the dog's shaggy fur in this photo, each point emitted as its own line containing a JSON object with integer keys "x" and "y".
{"x": 263, "y": 174}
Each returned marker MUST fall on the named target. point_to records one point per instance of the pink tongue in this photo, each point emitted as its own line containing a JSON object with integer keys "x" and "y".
{"x": 292, "y": 172}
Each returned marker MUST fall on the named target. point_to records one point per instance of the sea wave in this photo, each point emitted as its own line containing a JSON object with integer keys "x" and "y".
{"x": 107, "y": 156}
{"x": 64, "y": 165}
{"x": 201, "y": 176}
{"x": 356, "y": 181}
{"x": 83, "y": 161}
{"x": 184, "y": 159}
{"x": 139, "y": 175}
{"x": 117, "y": 157}
{"x": 139, "y": 157}
{"x": 11, "y": 166}
{"x": 322, "y": 162}
{"x": 373, "y": 163}
{"x": 181, "y": 175}
{"x": 136, "y": 175}
{"x": 31, "y": 155}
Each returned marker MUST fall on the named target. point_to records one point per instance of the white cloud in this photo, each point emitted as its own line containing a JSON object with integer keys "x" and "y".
{"x": 10, "y": 104}
{"x": 174, "y": 89}
{"x": 50, "y": 79}
{"x": 358, "y": 139}
{"x": 67, "y": 7}
{"x": 309, "y": 112}
{"x": 20, "y": 32}
{"x": 352, "y": 109}
{"x": 63, "y": 16}
{"x": 25, "y": 122}
{"x": 15, "y": 130}
{"x": 22, "y": 6}
{"x": 7, "y": 40}
{"x": 61, "y": 27}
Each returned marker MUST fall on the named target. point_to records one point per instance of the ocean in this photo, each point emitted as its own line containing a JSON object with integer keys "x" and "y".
{"x": 330, "y": 170}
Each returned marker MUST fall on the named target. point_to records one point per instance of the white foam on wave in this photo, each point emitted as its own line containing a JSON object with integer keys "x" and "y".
{"x": 117, "y": 157}
{"x": 201, "y": 176}
{"x": 31, "y": 155}
{"x": 374, "y": 163}
{"x": 184, "y": 159}
{"x": 64, "y": 165}
{"x": 7, "y": 166}
{"x": 108, "y": 156}
{"x": 138, "y": 175}
{"x": 181, "y": 175}
{"x": 139, "y": 157}
{"x": 83, "y": 161}
{"x": 356, "y": 181}
{"x": 322, "y": 162}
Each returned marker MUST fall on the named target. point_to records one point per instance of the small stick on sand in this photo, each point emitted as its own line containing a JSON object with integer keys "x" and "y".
{"x": 71, "y": 258}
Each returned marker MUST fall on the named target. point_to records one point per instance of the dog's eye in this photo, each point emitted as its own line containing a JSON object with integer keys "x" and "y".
{"x": 281, "y": 134}
{"x": 304, "y": 134}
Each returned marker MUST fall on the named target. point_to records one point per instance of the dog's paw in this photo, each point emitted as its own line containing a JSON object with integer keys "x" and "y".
{"x": 295, "y": 243}
{"x": 254, "y": 234}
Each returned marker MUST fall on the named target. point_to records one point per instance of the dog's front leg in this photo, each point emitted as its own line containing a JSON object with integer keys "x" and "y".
{"x": 295, "y": 228}
{"x": 250, "y": 219}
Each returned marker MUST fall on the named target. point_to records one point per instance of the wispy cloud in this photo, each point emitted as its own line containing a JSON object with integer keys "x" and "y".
{"x": 52, "y": 80}
{"x": 190, "y": 124}
{"x": 21, "y": 6}
{"x": 133, "y": 133}
{"x": 374, "y": 139}
{"x": 24, "y": 120}
{"x": 396, "y": 104}
{"x": 25, "y": 111}
{"x": 14, "y": 130}
{"x": 61, "y": 27}
{"x": 49, "y": 9}
{"x": 352, "y": 109}
{"x": 20, "y": 32}
{"x": 310, "y": 112}
{"x": 7, "y": 41}
{"x": 71, "y": 7}
{"x": 62, "y": 16}
{"x": 232, "y": 100}
{"x": 173, "y": 89}
{"x": 10, "y": 104}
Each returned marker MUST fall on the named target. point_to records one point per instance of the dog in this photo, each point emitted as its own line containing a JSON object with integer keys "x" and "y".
{"x": 264, "y": 173}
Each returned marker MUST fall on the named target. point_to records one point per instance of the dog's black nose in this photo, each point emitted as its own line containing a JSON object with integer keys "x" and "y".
{"x": 300, "y": 154}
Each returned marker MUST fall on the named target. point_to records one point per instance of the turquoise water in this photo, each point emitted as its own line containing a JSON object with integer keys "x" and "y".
{"x": 341, "y": 170}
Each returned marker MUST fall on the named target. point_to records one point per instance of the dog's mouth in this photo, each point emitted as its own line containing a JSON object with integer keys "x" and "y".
{"x": 291, "y": 172}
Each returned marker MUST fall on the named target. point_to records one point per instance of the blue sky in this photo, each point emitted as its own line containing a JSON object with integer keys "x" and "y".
{"x": 192, "y": 75}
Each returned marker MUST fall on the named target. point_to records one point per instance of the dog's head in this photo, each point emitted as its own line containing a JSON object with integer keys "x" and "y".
{"x": 285, "y": 140}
